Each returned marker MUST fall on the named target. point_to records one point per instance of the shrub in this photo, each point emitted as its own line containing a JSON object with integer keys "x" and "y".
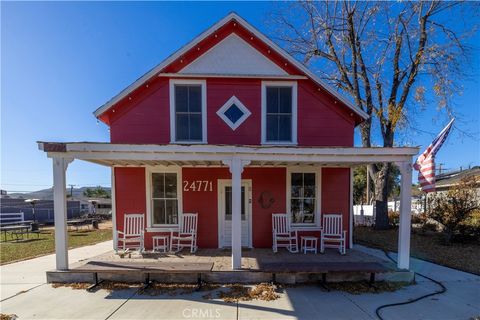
{"x": 453, "y": 209}
{"x": 393, "y": 218}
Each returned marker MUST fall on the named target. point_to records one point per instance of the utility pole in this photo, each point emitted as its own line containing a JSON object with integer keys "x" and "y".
{"x": 440, "y": 168}
{"x": 368, "y": 187}
{"x": 71, "y": 190}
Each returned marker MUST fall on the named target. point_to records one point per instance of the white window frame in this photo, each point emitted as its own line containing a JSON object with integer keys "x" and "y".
{"x": 148, "y": 179}
{"x": 318, "y": 204}
{"x": 240, "y": 105}
{"x": 203, "y": 83}
{"x": 293, "y": 85}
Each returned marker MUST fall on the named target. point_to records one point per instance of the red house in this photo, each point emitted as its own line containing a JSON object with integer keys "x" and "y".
{"x": 235, "y": 129}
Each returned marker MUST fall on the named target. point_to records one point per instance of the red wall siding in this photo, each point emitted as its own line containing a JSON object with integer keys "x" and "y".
{"x": 206, "y": 203}
{"x": 129, "y": 193}
{"x": 249, "y": 93}
{"x": 270, "y": 181}
{"x": 320, "y": 121}
{"x": 146, "y": 120}
{"x": 336, "y": 194}
{"x": 131, "y": 198}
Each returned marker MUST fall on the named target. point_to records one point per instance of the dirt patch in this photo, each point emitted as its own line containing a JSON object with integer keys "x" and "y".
{"x": 75, "y": 285}
{"x": 171, "y": 289}
{"x": 239, "y": 292}
{"x": 105, "y": 285}
{"x": 8, "y": 316}
{"x": 365, "y": 287}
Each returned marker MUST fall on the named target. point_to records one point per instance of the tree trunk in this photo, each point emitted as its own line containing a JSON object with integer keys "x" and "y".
{"x": 381, "y": 185}
{"x": 381, "y": 197}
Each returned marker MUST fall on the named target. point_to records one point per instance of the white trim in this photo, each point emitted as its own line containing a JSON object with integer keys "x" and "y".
{"x": 109, "y": 154}
{"x": 172, "y": 84}
{"x": 404, "y": 226}
{"x": 60, "y": 166}
{"x": 350, "y": 232}
{"x": 237, "y": 76}
{"x": 206, "y": 33}
{"x": 290, "y": 84}
{"x": 148, "y": 187}
{"x": 114, "y": 211}
{"x": 240, "y": 105}
{"x": 221, "y": 184}
{"x": 136, "y": 148}
{"x": 318, "y": 187}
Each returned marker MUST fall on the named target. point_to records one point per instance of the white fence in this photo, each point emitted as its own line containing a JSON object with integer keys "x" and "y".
{"x": 364, "y": 215}
{"x": 7, "y": 218}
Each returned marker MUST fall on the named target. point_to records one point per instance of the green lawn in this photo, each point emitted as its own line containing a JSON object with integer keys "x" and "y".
{"x": 32, "y": 247}
{"x": 424, "y": 246}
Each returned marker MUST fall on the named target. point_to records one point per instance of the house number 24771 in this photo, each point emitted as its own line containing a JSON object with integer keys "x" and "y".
{"x": 197, "y": 185}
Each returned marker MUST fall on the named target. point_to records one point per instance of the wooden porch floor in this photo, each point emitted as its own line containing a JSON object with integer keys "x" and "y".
{"x": 252, "y": 260}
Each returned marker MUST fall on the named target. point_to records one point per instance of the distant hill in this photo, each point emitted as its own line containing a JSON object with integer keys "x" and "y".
{"x": 47, "y": 194}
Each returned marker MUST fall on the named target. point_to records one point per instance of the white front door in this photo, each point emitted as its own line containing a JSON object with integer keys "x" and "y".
{"x": 225, "y": 213}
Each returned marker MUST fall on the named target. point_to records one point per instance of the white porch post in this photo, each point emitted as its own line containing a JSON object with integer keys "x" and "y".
{"x": 114, "y": 212}
{"x": 405, "y": 216}
{"x": 236, "y": 168}
{"x": 60, "y": 210}
{"x": 350, "y": 232}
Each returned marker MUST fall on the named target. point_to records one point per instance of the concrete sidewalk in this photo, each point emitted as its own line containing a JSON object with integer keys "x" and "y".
{"x": 461, "y": 301}
{"x": 24, "y": 275}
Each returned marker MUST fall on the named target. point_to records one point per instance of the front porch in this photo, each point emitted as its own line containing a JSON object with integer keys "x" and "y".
{"x": 234, "y": 163}
{"x": 214, "y": 266}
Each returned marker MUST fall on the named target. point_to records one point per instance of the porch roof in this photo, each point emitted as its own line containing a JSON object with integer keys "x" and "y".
{"x": 110, "y": 154}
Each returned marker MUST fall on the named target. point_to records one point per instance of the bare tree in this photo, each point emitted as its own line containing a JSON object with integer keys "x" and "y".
{"x": 385, "y": 55}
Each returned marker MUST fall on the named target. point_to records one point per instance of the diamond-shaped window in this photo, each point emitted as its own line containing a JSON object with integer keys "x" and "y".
{"x": 233, "y": 112}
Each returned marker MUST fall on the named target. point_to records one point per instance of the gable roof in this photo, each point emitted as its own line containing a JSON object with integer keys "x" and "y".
{"x": 233, "y": 55}
{"x": 232, "y": 16}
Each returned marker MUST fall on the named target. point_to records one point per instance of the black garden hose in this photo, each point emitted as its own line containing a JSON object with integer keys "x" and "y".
{"x": 441, "y": 291}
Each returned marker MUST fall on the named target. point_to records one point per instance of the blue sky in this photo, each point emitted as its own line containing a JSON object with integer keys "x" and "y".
{"x": 60, "y": 61}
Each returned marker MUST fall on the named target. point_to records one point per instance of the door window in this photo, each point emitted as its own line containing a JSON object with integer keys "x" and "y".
{"x": 228, "y": 203}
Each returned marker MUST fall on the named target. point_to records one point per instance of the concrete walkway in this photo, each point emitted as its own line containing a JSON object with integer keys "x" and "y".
{"x": 461, "y": 301}
{"x": 21, "y": 276}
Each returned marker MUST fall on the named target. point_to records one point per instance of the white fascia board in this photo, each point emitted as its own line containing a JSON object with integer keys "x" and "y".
{"x": 202, "y": 36}
{"x": 219, "y": 157}
{"x": 105, "y": 151}
{"x": 224, "y": 75}
{"x": 107, "y": 147}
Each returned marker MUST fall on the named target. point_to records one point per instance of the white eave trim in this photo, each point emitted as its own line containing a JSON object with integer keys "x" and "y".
{"x": 106, "y": 151}
{"x": 202, "y": 36}
{"x": 238, "y": 76}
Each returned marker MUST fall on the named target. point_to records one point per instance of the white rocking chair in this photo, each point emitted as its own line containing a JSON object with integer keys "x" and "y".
{"x": 132, "y": 236}
{"x": 333, "y": 233}
{"x": 283, "y": 236}
{"x": 186, "y": 236}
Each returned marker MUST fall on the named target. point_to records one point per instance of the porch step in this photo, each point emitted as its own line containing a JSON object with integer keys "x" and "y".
{"x": 145, "y": 267}
{"x": 324, "y": 267}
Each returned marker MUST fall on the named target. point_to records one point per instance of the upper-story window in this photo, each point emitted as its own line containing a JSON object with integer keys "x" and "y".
{"x": 188, "y": 118}
{"x": 279, "y": 112}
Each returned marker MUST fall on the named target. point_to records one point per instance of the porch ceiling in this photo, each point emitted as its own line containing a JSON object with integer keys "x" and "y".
{"x": 108, "y": 154}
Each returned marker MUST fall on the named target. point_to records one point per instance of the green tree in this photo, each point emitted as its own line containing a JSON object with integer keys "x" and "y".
{"x": 360, "y": 184}
{"x": 453, "y": 208}
{"x": 97, "y": 192}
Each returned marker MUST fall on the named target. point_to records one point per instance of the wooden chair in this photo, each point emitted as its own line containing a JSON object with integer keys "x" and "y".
{"x": 333, "y": 235}
{"x": 186, "y": 236}
{"x": 283, "y": 236}
{"x": 132, "y": 236}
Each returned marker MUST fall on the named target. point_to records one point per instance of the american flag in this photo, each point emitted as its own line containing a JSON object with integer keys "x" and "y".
{"x": 425, "y": 164}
